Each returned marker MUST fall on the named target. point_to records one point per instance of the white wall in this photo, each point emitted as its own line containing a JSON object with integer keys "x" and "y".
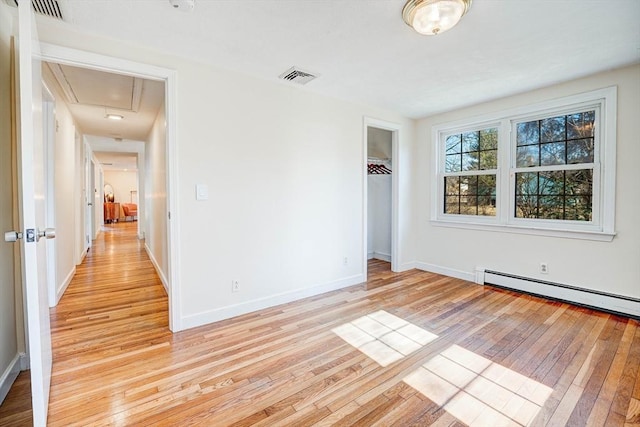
{"x": 123, "y": 182}
{"x": 8, "y": 328}
{"x": 606, "y": 266}
{"x": 286, "y": 182}
{"x": 155, "y": 197}
{"x": 66, "y": 182}
{"x": 379, "y": 220}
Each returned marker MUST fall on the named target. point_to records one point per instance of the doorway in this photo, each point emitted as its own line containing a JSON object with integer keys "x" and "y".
{"x": 381, "y": 192}
{"x": 84, "y": 60}
{"x": 379, "y": 179}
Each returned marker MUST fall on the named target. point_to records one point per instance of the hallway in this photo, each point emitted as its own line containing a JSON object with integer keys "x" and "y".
{"x": 112, "y": 315}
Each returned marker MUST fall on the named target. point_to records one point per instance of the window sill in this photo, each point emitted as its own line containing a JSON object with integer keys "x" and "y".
{"x": 599, "y": 236}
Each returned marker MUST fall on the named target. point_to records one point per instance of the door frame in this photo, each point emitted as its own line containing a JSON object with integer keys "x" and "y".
{"x": 49, "y": 141}
{"x": 394, "y": 128}
{"x": 84, "y": 59}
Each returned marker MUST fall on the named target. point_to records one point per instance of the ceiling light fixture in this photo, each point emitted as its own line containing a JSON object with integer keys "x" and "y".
{"x": 114, "y": 116}
{"x": 432, "y": 17}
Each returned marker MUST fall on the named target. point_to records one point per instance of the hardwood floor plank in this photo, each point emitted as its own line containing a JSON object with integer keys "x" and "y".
{"x": 116, "y": 362}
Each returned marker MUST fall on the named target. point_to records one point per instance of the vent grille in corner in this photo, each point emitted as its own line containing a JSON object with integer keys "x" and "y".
{"x": 296, "y": 75}
{"x": 50, "y": 8}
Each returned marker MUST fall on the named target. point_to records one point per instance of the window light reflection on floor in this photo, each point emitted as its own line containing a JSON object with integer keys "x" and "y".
{"x": 478, "y": 391}
{"x": 384, "y": 337}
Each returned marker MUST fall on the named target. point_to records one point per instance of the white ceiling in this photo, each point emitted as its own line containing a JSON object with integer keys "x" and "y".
{"x": 365, "y": 53}
{"x": 92, "y": 94}
{"x": 117, "y": 161}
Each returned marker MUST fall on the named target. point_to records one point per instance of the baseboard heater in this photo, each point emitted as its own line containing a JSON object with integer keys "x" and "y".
{"x": 612, "y": 303}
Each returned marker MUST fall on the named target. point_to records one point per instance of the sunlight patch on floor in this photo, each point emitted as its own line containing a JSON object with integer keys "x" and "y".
{"x": 478, "y": 391}
{"x": 384, "y": 337}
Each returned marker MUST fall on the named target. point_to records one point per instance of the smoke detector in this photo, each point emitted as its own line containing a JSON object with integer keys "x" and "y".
{"x": 298, "y": 76}
{"x": 183, "y": 5}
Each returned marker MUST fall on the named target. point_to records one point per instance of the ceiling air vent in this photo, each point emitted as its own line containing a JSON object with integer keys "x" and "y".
{"x": 296, "y": 75}
{"x": 50, "y": 8}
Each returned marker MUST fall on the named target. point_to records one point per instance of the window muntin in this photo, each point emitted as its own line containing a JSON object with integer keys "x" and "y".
{"x": 470, "y": 165}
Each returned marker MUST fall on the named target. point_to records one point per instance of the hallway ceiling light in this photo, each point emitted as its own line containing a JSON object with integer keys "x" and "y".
{"x": 114, "y": 116}
{"x": 432, "y": 17}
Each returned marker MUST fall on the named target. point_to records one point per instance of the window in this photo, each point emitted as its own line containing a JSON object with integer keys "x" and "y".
{"x": 471, "y": 163}
{"x": 544, "y": 169}
{"x": 547, "y": 184}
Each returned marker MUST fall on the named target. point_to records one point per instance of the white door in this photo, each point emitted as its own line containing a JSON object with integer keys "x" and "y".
{"x": 32, "y": 212}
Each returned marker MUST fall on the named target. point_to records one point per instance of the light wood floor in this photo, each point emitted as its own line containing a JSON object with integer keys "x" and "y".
{"x": 412, "y": 348}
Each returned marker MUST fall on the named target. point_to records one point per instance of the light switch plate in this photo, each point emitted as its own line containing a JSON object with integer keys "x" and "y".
{"x": 202, "y": 192}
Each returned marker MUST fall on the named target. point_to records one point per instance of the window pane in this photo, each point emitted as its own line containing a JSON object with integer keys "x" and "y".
{"x": 489, "y": 139}
{"x": 579, "y": 182}
{"x": 486, "y": 205}
{"x": 470, "y": 161}
{"x": 489, "y": 159}
{"x": 552, "y": 129}
{"x": 527, "y": 206}
{"x": 526, "y": 183}
{"x": 551, "y": 207}
{"x": 487, "y": 185}
{"x": 453, "y": 144}
{"x": 469, "y": 185}
{"x": 551, "y": 182}
{"x": 452, "y": 163}
{"x": 579, "y": 209}
{"x": 581, "y": 125}
{"x": 527, "y": 156}
{"x": 469, "y": 205}
{"x": 451, "y": 185}
{"x": 528, "y": 133}
{"x": 470, "y": 141}
{"x": 580, "y": 151}
{"x": 552, "y": 154}
{"x": 452, "y": 205}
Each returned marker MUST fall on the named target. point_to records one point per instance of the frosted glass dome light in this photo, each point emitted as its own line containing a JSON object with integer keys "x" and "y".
{"x": 432, "y": 17}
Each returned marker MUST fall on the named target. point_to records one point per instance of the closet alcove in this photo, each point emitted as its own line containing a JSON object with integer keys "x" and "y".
{"x": 379, "y": 196}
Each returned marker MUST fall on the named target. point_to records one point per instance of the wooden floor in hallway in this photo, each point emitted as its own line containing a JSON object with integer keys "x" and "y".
{"x": 410, "y": 348}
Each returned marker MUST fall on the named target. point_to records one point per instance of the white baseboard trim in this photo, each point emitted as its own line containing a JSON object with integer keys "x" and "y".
{"x": 379, "y": 255}
{"x": 459, "y": 274}
{"x": 65, "y": 284}
{"x": 83, "y": 256}
{"x": 572, "y": 294}
{"x": 161, "y": 275}
{"x": 382, "y": 256}
{"x": 227, "y": 312}
{"x": 9, "y": 376}
{"x": 406, "y": 266}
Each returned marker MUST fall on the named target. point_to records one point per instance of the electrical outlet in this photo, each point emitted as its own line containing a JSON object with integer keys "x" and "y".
{"x": 235, "y": 285}
{"x": 544, "y": 268}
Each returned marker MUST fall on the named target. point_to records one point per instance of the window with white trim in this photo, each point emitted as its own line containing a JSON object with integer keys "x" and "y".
{"x": 543, "y": 169}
